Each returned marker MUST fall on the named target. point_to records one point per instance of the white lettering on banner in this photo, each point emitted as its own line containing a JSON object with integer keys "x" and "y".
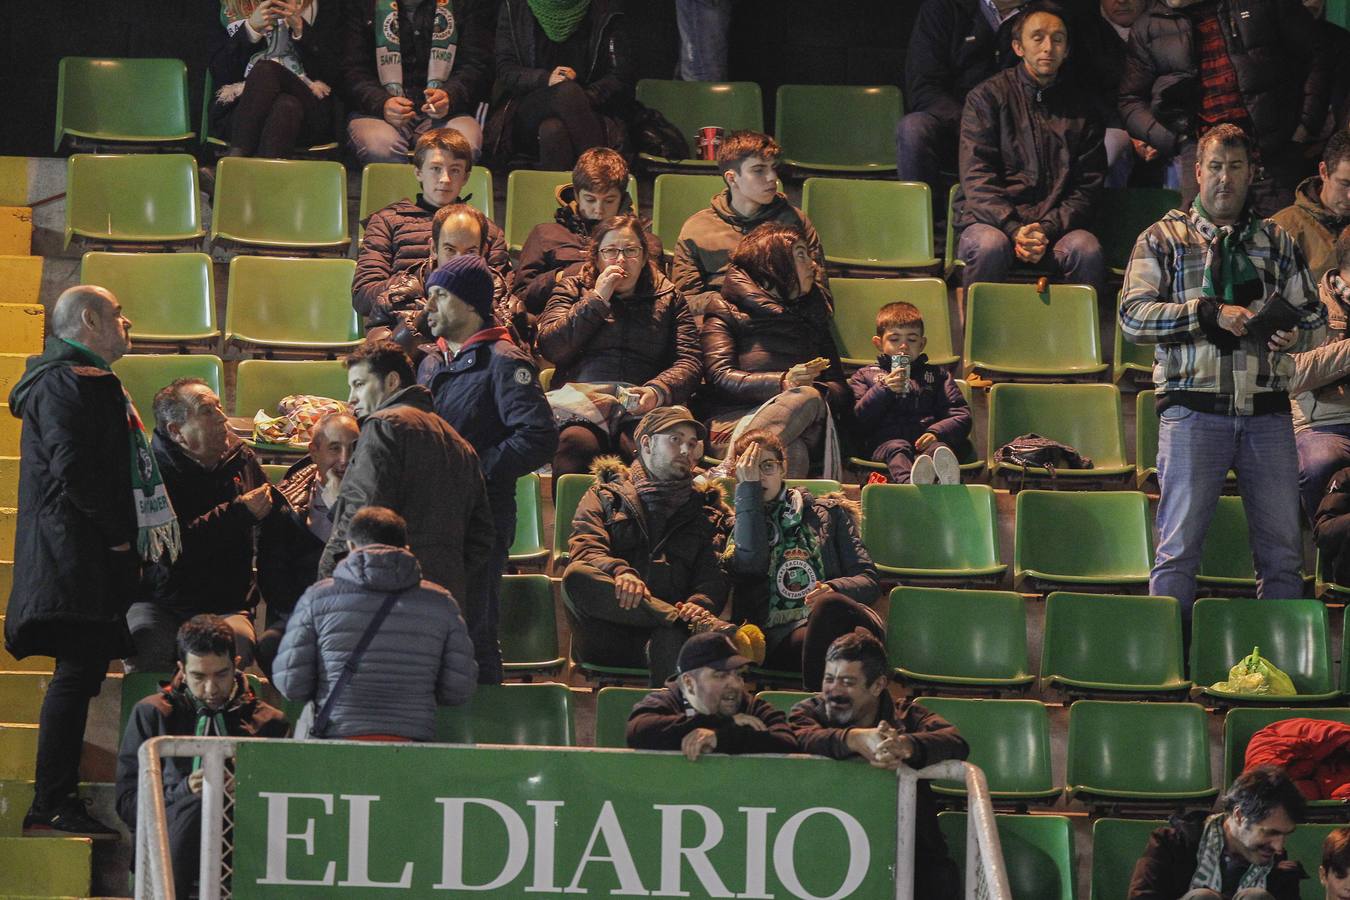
{"x": 607, "y": 824}
{"x": 452, "y": 862}
{"x": 672, "y": 849}
{"x": 278, "y": 812}
{"x": 859, "y": 853}
{"x": 358, "y": 847}
{"x": 545, "y": 825}
{"x": 756, "y": 847}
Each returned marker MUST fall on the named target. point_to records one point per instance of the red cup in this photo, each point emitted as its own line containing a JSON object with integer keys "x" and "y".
{"x": 709, "y": 140}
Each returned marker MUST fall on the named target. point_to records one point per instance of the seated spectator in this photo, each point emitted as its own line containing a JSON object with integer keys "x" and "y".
{"x": 419, "y": 654}
{"x": 1237, "y": 853}
{"x": 705, "y": 707}
{"x": 854, "y": 715}
{"x": 770, "y": 361}
{"x": 565, "y": 76}
{"x": 1099, "y": 57}
{"x": 1032, "y": 163}
{"x": 798, "y": 566}
{"x": 208, "y": 696}
{"x": 487, "y": 389}
{"x": 1334, "y": 873}
{"x": 1321, "y": 208}
{"x": 643, "y": 555}
{"x": 221, "y": 495}
{"x": 913, "y": 416}
{"x": 748, "y": 163}
{"x": 291, "y": 542}
{"x": 413, "y": 66}
{"x": 623, "y": 341}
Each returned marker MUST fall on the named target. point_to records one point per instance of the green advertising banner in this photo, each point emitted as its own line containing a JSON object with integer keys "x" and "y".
{"x": 318, "y": 820}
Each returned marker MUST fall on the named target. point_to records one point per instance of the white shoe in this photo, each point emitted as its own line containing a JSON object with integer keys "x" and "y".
{"x": 946, "y": 466}
{"x": 923, "y": 472}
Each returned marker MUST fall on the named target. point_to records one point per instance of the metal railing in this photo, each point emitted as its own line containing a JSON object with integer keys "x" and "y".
{"x": 986, "y": 878}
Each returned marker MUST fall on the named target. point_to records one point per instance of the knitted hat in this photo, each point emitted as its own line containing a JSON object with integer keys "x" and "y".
{"x": 468, "y": 278}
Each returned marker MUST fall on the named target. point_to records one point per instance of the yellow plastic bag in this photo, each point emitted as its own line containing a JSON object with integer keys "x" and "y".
{"x": 1254, "y": 674}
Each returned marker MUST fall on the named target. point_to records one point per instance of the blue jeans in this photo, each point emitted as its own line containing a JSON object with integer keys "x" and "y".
{"x": 1195, "y": 452}
{"x": 703, "y": 39}
{"x": 1322, "y": 452}
{"x": 988, "y": 255}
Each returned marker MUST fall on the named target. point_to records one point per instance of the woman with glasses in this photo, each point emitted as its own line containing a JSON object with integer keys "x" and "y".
{"x": 622, "y": 341}
{"x": 798, "y": 565}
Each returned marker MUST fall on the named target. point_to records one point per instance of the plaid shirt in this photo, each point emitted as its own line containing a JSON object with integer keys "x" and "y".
{"x": 1161, "y": 302}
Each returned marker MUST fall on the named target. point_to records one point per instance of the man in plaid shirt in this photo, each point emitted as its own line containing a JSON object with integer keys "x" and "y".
{"x": 1195, "y": 282}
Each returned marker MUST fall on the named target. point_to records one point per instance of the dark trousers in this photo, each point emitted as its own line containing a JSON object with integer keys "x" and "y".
{"x": 482, "y": 612}
{"x": 561, "y": 122}
{"x": 925, "y": 147}
{"x": 606, "y": 634}
{"x": 269, "y": 642}
{"x": 65, "y": 708}
{"x": 184, "y": 821}
{"x": 832, "y": 616}
{"x": 579, "y": 444}
{"x": 277, "y": 112}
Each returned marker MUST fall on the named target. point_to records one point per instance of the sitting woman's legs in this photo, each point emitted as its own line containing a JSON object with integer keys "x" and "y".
{"x": 577, "y": 446}
{"x": 797, "y": 416}
{"x": 560, "y": 120}
{"x": 275, "y": 111}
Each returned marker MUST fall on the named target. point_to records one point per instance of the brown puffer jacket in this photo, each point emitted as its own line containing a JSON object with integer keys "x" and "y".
{"x": 1312, "y": 226}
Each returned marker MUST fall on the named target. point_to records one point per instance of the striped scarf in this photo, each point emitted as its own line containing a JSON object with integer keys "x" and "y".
{"x": 1209, "y": 860}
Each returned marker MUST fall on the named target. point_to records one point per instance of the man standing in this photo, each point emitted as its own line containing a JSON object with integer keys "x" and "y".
{"x": 1225, "y": 295}
{"x": 92, "y": 507}
{"x": 410, "y": 460}
{"x": 1321, "y": 207}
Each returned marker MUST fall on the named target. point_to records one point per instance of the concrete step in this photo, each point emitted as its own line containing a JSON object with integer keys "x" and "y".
{"x": 20, "y": 283}
{"x": 44, "y": 867}
{"x": 16, "y": 231}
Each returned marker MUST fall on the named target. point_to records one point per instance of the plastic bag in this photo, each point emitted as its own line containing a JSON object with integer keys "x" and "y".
{"x": 1254, "y": 674}
{"x": 299, "y": 414}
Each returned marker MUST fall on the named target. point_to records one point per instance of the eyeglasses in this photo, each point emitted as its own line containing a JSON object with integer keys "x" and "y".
{"x": 770, "y": 466}
{"x": 613, "y": 253}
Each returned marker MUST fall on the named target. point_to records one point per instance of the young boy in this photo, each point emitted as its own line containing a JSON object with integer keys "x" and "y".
{"x": 748, "y": 162}
{"x": 1335, "y": 869}
{"x": 911, "y": 415}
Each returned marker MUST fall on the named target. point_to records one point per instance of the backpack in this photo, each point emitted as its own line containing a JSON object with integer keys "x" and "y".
{"x": 1033, "y": 450}
{"x": 655, "y": 135}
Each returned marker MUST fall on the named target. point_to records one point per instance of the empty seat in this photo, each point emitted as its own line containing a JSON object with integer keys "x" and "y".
{"x": 1305, "y": 846}
{"x": 21, "y": 327}
{"x": 613, "y": 705}
{"x": 1128, "y": 357}
{"x": 691, "y": 105}
{"x": 121, "y": 101}
{"x": 1122, "y": 214}
{"x": 567, "y": 494}
{"x": 142, "y": 199}
{"x": 1117, "y": 845}
{"x": 530, "y": 715}
{"x": 932, "y": 532}
{"x": 1145, "y": 436}
{"x": 1241, "y": 723}
{"x": 1037, "y": 853}
{"x": 169, "y": 297}
{"x": 964, "y": 639}
{"x": 386, "y": 183}
{"x": 136, "y": 686}
{"x": 1009, "y": 740}
{"x": 872, "y": 224}
{"x": 528, "y": 627}
{"x": 1138, "y": 752}
{"x": 262, "y": 383}
{"x": 1084, "y": 416}
{"x": 784, "y": 700}
{"x": 528, "y": 546}
{"x": 1014, "y": 330}
{"x": 857, "y": 300}
{"x": 676, "y": 197}
{"x": 1082, "y": 538}
{"x": 857, "y": 136}
{"x": 278, "y": 302}
{"x": 144, "y": 375}
{"x": 531, "y": 198}
{"x": 1292, "y": 634}
{"x": 1109, "y": 643}
{"x": 280, "y": 204}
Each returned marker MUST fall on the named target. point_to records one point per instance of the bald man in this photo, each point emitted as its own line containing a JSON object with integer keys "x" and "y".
{"x": 80, "y": 535}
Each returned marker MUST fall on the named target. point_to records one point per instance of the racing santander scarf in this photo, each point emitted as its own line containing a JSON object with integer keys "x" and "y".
{"x": 1209, "y": 861}
{"x": 1228, "y": 269}
{"x": 559, "y": 18}
{"x": 795, "y": 564}
{"x": 389, "y": 56}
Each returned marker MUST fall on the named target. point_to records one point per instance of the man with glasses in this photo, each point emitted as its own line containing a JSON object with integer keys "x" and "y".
{"x": 644, "y": 567}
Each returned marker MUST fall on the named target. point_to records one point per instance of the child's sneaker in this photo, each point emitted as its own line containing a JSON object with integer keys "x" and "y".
{"x": 923, "y": 472}
{"x": 946, "y": 466}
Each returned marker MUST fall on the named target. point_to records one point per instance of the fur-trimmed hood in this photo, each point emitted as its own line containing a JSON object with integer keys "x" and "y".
{"x": 613, "y": 471}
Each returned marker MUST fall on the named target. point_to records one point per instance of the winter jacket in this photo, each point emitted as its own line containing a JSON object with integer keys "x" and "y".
{"x": 71, "y": 591}
{"x": 214, "y": 573}
{"x": 1314, "y": 753}
{"x": 703, "y": 249}
{"x": 951, "y": 49}
{"x": 1277, "y": 51}
{"x": 647, "y": 339}
{"x": 1331, "y": 527}
{"x": 1312, "y": 226}
{"x": 609, "y": 533}
{"x": 172, "y": 710}
{"x": 398, "y": 239}
{"x": 1321, "y": 376}
{"x": 751, "y": 338}
{"x": 288, "y": 551}
{"x": 1029, "y": 154}
{"x": 470, "y": 73}
{"x": 420, "y": 657}
{"x": 834, "y": 519}
{"x": 1165, "y": 870}
{"x": 934, "y": 405}
{"x": 1098, "y": 59}
{"x": 411, "y": 461}
{"x": 660, "y": 721}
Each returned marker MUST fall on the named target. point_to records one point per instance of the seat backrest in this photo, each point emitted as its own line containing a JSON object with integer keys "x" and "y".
{"x": 1145, "y": 432}
{"x": 291, "y": 302}
{"x": 1084, "y": 416}
{"x": 1009, "y": 740}
{"x": 937, "y": 527}
{"x": 275, "y": 472}
{"x": 1037, "y": 853}
{"x": 691, "y": 105}
{"x": 957, "y": 633}
{"x": 122, "y": 100}
{"x": 857, "y": 301}
{"x": 1117, "y": 845}
{"x": 1227, "y": 553}
{"x": 386, "y": 183}
{"x": 528, "y": 627}
{"x": 1015, "y": 329}
{"x": 529, "y": 536}
{"x": 1244, "y": 721}
{"x": 571, "y": 487}
{"x": 859, "y": 131}
{"x": 132, "y": 197}
{"x": 136, "y": 686}
{"x": 884, "y": 223}
{"x": 1091, "y": 534}
{"x": 525, "y": 715}
{"x": 676, "y": 197}
{"x": 21, "y": 326}
{"x": 1148, "y": 748}
{"x": 1120, "y": 215}
{"x": 531, "y": 198}
{"x": 784, "y": 700}
{"x": 262, "y": 383}
{"x": 167, "y": 296}
{"x": 1292, "y": 634}
{"x": 298, "y": 203}
{"x": 612, "y": 708}
{"x": 144, "y": 375}
{"x": 1126, "y": 354}
{"x": 1117, "y": 640}
{"x": 1305, "y": 846}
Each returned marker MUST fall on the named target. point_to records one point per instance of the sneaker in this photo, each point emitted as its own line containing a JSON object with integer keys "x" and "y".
{"x": 946, "y": 466}
{"x": 923, "y": 472}
{"x": 71, "y": 820}
{"x": 749, "y": 639}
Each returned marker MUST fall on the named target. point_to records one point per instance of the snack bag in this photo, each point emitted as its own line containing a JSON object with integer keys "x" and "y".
{"x": 272, "y": 429}
{"x": 304, "y": 411}
{"x": 1254, "y": 674}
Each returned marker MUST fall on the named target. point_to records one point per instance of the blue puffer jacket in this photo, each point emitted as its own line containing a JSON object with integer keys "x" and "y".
{"x": 421, "y": 656}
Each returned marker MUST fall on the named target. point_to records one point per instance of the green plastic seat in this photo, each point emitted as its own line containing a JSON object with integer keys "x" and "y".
{"x": 969, "y": 460}
{"x": 323, "y": 148}
{"x": 1110, "y": 643}
{"x": 1326, "y": 584}
{"x": 1014, "y": 330}
{"x": 1305, "y": 846}
{"x": 281, "y": 204}
{"x": 932, "y": 532}
{"x": 1080, "y": 538}
{"x": 1292, "y": 634}
{"x": 274, "y": 472}
{"x": 528, "y": 547}
{"x": 262, "y": 383}
{"x": 528, "y": 628}
{"x": 1037, "y": 853}
{"x": 1345, "y": 654}
{"x": 169, "y": 297}
{"x": 958, "y": 638}
{"x": 1122, "y": 214}
{"x": 857, "y": 300}
{"x": 872, "y": 224}
{"x": 1085, "y": 416}
{"x": 121, "y": 101}
{"x": 784, "y": 700}
{"x": 49, "y": 867}
{"x": 950, "y": 261}
{"x": 147, "y": 200}
{"x": 1117, "y": 845}
{"x": 524, "y": 715}
{"x": 1128, "y": 357}
{"x": 1140, "y": 752}
{"x": 691, "y": 105}
{"x": 676, "y": 197}
{"x": 1241, "y": 723}
{"x": 567, "y": 495}
{"x": 531, "y": 198}
{"x": 9, "y": 482}
{"x": 613, "y": 705}
{"x": 282, "y": 302}
{"x": 858, "y": 135}
{"x": 1227, "y": 560}
{"x": 1009, "y": 740}
{"x": 386, "y": 183}
{"x": 136, "y": 686}
{"x": 144, "y": 375}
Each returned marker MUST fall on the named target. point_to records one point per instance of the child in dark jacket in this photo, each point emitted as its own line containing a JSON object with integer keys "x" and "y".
{"x": 911, "y": 414}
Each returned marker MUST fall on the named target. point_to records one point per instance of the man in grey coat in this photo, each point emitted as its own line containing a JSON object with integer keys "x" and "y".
{"x": 419, "y": 657}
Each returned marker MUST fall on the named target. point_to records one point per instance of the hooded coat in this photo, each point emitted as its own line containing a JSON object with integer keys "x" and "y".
{"x": 1168, "y": 864}
{"x": 1312, "y": 226}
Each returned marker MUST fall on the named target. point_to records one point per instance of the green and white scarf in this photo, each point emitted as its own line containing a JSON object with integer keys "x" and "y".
{"x": 795, "y": 564}
{"x": 559, "y": 18}
{"x": 1209, "y": 860}
{"x": 389, "y": 56}
{"x": 1228, "y": 269}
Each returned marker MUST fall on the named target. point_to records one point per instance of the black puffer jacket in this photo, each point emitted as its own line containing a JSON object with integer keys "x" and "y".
{"x": 648, "y": 339}
{"x": 951, "y": 49}
{"x": 1276, "y": 47}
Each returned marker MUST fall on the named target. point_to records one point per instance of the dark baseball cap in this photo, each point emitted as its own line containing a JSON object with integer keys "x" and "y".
{"x": 666, "y": 417}
{"x": 712, "y": 650}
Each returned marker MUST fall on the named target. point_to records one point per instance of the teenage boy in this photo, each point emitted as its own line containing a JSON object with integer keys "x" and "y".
{"x": 911, "y": 414}
{"x": 748, "y": 162}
